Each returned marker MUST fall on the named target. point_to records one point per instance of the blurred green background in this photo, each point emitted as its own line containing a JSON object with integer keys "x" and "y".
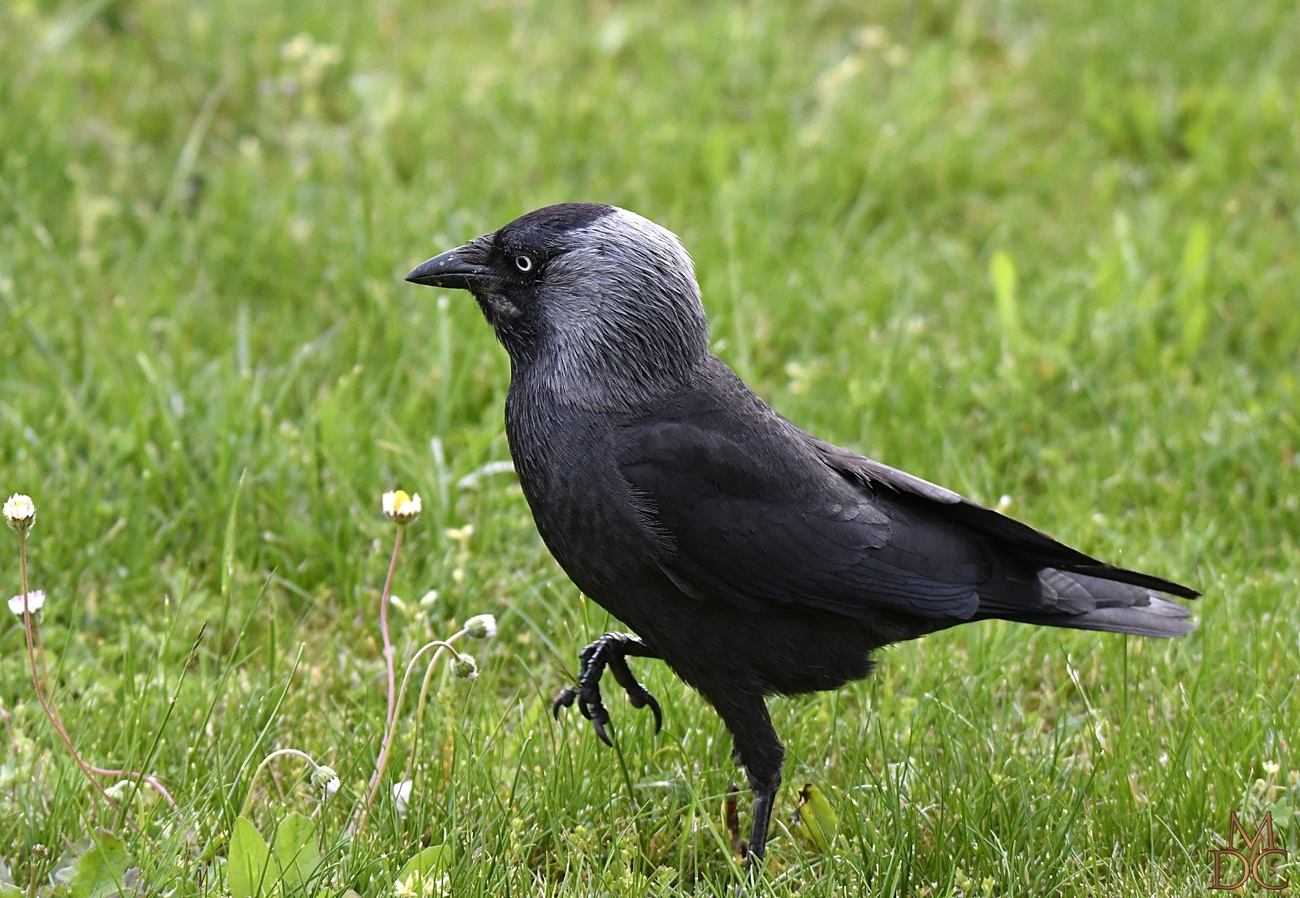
{"x": 1042, "y": 253}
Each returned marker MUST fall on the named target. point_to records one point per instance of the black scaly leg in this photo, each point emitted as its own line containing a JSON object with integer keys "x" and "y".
{"x": 759, "y": 751}
{"x": 611, "y": 650}
{"x": 764, "y": 798}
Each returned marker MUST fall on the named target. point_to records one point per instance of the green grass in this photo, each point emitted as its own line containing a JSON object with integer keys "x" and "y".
{"x": 203, "y": 229}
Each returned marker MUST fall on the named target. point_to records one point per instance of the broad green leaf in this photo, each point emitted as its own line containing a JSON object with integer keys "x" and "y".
{"x": 246, "y": 868}
{"x": 294, "y": 849}
{"x": 817, "y": 817}
{"x": 101, "y": 870}
{"x": 9, "y": 890}
{"x": 432, "y": 861}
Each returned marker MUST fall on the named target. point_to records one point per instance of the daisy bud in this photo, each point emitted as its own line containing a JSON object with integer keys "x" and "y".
{"x": 464, "y": 667}
{"x": 20, "y": 511}
{"x": 120, "y": 791}
{"x": 402, "y": 795}
{"x": 481, "y": 626}
{"x": 400, "y": 507}
{"x": 34, "y": 602}
{"x": 326, "y": 780}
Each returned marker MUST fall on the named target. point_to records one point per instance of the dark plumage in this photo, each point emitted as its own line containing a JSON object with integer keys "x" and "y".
{"x": 749, "y": 555}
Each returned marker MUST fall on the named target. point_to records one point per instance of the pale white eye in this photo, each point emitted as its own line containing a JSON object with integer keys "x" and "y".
{"x": 523, "y": 263}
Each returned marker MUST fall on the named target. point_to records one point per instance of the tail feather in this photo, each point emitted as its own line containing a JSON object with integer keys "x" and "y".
{"x": 1083, "y": 602}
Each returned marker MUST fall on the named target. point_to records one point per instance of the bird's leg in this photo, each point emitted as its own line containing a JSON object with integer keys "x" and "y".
{"x": 764, "y": 798}
{"x": 609, "y": 651}
{"x": 759, "y": 751}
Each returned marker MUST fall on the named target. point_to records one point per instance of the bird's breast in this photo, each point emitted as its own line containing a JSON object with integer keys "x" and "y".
{"x": 581, "y": 504}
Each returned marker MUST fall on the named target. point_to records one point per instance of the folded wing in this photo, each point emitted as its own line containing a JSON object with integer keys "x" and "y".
{"x": 742, "y": 517}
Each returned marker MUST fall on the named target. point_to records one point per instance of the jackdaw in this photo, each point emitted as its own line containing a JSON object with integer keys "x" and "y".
{"x": 752, "y": 557}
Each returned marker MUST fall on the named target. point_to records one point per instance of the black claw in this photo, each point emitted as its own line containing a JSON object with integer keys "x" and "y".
{"x": 563, "y": 700}
{"x": 607, "y": 652}
{"x": 637, "y": 695}
{"x": 640, "y": 697}
{"x": 654, "y": 709}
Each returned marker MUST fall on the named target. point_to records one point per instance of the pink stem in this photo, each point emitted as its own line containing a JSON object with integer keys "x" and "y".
{"x": 36, "y": 681}
{"x": 383, "y": 626}
{"x": 364, "y": 813}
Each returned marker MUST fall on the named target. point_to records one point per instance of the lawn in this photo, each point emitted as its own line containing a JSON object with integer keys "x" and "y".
{"x": 1045, "y": 254}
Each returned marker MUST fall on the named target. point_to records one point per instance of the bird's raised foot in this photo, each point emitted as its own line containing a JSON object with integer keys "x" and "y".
{"x": 637, "y": 695}
{"x": 609, "y": 651}
{"x": 587, "y": 695}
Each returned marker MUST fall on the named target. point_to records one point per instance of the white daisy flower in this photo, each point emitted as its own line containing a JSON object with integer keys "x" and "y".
{"x": 35, "y": 600}
{"x": 20, "y": 511}
{"x": 400, "y": 507}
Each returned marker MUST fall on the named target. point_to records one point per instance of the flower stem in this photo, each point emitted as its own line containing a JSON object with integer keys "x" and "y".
{"x": 364, "y": 812}
{"x": 50, "y": 714}
{"x": 279, "y": 752}
{"x": 424, "y": 691}
{"x": 382, "y": 762}
{"x": 383, "y": 624}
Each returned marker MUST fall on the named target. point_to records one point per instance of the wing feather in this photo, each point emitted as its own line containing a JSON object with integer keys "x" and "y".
{"x": 1031, "y": 546}
{"x": 746, "y": 520}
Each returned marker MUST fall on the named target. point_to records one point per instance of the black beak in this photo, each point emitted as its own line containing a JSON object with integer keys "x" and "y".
{"x": 460, "y": 268}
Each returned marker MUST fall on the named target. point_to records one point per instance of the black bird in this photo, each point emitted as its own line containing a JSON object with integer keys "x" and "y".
{"x": 752, "y": 557}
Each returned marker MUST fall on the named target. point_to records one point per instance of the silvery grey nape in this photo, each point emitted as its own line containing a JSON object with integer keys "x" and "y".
{"x": 752, "y": 557}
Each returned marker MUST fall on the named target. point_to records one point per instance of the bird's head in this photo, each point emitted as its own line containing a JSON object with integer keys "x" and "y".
{"x": 596, "y": 296}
